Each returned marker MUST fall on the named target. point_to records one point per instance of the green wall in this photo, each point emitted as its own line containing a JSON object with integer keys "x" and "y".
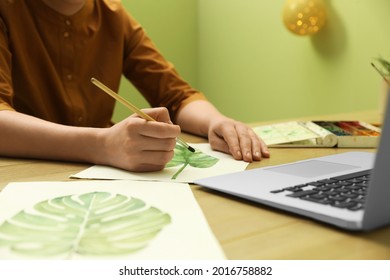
{"x": 253, "y": 69}
{"x": 172, "y": 25}
{"x": 242, "y": 57}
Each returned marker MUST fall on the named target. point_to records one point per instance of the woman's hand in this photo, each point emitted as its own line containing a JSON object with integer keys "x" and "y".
{"x": 237, "y": 139}
{"x": 224, "y": 134}
{"x": 138, "y": 145}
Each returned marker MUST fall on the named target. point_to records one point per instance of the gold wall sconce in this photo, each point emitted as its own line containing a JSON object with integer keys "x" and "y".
{"x": 304, "y": 17}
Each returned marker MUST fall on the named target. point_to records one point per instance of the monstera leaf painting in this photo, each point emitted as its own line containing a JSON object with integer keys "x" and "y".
{"x": 185, "y": 157}
{"x": 90, "y": 224}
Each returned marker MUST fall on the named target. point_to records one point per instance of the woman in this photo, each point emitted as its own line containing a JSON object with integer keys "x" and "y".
{"x": 49, "y": 50}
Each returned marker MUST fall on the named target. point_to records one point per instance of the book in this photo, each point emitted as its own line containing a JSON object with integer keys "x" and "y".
{"x": 343, "y": 134}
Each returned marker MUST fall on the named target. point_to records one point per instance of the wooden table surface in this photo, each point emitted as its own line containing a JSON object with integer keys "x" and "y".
{"x": 244, "y": 229}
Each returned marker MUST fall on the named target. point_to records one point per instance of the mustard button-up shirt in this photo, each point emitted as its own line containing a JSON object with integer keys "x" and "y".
{"x": 47, "y": 60}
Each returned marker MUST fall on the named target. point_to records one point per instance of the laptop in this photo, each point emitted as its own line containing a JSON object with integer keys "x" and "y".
{"x": 350, "y": 190}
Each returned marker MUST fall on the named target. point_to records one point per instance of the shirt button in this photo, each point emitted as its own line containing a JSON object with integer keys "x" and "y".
{"x": 80, "y": 119}
{"x": 66, "y": 34}
{"x": 69, "y": 77}
{"x": 67, "y": 22}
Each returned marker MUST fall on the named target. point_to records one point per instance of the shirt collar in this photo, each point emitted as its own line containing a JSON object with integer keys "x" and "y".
{"x": 46, "y": 13}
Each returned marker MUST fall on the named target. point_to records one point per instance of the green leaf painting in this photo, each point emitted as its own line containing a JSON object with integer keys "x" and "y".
{"x": 185, "y": 157}
{"x": 90, "y": 224}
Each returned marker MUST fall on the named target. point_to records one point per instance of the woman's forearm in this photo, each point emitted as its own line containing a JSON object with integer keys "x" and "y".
{"x": 197, "y": 116}
{"x": 26, "y": 136}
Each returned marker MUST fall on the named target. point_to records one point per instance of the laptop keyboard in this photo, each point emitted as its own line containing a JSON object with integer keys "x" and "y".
{"x": 346, "y": 191}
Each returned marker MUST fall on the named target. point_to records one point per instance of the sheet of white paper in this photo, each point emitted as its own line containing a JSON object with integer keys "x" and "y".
{"x": 226, "y": 164}
{"x": 187, "y": 236}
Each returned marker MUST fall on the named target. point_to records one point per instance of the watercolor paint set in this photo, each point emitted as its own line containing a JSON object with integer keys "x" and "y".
{"x": 343, "y": 134}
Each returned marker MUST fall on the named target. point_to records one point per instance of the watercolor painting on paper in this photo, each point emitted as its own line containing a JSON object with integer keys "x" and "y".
{"x": 89, "y": 224}
{"x": 185, "y": 167}
{"x": 103, "y": 220}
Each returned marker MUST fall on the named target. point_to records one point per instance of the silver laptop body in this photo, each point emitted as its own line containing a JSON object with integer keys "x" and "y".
{"x": 257, "y": 184}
